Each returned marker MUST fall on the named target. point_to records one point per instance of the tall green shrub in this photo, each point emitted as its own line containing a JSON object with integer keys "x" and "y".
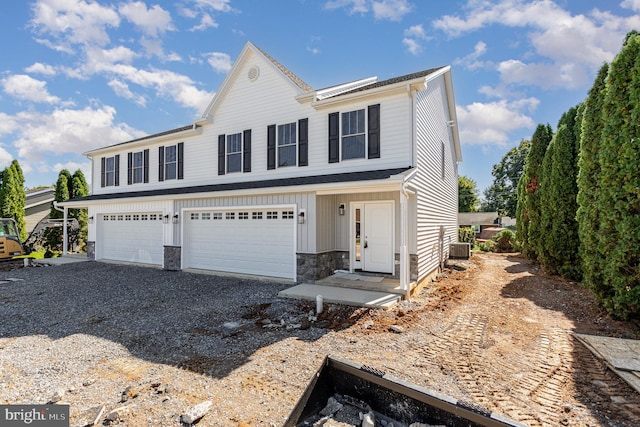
{"x": 62, "y": 192}
{"x": 588, "y": 215}
{"x": 12, "y": 196}
{"x": 528, "y": 223}
{"x": 79, "y": 188}
{"x": 619, "y": 204}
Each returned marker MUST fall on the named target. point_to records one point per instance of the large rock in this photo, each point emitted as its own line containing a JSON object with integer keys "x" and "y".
{"x": 196, "y": 412}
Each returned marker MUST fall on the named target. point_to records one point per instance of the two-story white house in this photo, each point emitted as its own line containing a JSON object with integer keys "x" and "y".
{"x": 279, "y": 179}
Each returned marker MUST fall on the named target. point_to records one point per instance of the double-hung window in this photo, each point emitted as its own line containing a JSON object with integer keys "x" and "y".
{"x": 171, "y": 164}
{"x": 353, "y": 135}
{"x": 234, "y": 152}
{"x": 138, "y": 167}
{"x": 287, "y": 152}
{"x": 110, "y": 171}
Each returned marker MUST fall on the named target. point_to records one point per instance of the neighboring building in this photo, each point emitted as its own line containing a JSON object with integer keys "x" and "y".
{"x": 279, "y": 179}
{"x": 485, "y": 224}
{"x": 37, "y": 206}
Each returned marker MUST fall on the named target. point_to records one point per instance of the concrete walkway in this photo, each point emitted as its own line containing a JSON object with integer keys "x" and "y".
{"x": 342, "y": 295}
{"x": 64, "y": 259}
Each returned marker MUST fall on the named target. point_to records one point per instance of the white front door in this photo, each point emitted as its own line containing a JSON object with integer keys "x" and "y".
{"x": 372, "y": 236}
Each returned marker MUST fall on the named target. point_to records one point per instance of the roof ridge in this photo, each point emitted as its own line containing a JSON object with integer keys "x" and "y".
{"x": 297, "y": 80}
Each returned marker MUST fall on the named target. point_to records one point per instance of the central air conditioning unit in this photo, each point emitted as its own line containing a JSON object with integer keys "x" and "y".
{"x": 460, "y": 250}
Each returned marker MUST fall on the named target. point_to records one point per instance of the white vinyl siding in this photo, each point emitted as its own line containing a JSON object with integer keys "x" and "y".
{"x": 268, "y": 100}
{"x": 437, "y": 201}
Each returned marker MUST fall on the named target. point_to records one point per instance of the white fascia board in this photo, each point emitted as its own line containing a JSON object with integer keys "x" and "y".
{"x": 193, "y": 131}
{"x": 386, "y": 90}
{"x": 373, "y": 186}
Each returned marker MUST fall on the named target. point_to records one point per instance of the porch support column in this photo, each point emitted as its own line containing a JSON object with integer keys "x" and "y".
{"x": 404, "y": 246}
{"x": 65, "y": 235}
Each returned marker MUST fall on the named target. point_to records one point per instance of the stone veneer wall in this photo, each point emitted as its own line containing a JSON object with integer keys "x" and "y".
{"x": 413, "y": 266}
{"x": 172, "y": 258}
{"x": 91, "y": 250}
{"x": 312, "y": 267}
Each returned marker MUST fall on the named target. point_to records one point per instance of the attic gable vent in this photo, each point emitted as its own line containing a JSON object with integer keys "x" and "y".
{"x": 253, "y": 73}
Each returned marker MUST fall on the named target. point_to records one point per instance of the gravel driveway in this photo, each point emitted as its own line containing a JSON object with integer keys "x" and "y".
{"x": 92, "y": 331}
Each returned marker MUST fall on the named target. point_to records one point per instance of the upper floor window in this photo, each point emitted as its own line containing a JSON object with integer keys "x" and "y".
{"x": 287, "y": 145}
{"x": 171, "y": 162}
{"x": 138, "y": 167}
{"x": 110, "y": 171}
{"x": 353, "y": 136}
{"x": 234, "y": 152}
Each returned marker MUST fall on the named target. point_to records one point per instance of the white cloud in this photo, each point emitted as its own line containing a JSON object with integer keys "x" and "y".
{"x": 122, "y": 89}
{"x": 490, "y": 123}
{"x": 74, "y": 21}
{"x": 412, "y": 37}
{"x": 392, "y": 10}
{"x": 220, "y": 62}
{"x": 40, "y": 68}
{"x": 8, "y": 124}
{"x": 72, "y": 167}
{"x": 205, "y": 22}
{"x": 217, "y": 5}
{"x": 471, "y": 61}
{"x": 412, "y": 46}
{"x": 5, "y": 158}
{"x": 354, "y": 6}
{"x": 27, "y": 88}
{"x": 152, "y": 22}
{"x": 631, "y": 4}
{"x": 68, "y": 131}
{"x": 566, "y": 49}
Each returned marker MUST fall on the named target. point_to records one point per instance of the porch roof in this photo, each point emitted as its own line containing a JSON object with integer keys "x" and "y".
{"x": 249, "y": 185}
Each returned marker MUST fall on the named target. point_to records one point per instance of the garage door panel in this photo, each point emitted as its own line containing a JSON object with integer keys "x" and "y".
{"x": 135, "y": 237}
{"x": 259, "y": 244}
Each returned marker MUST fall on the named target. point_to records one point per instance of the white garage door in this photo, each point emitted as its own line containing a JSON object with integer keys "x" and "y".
{"x": 248, "y": 241}
{"x": 132, "y": 237}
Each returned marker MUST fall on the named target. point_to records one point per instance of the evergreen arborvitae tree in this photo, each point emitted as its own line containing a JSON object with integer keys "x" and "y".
{"x": 529, "y": 223}
{"x": 619, "y": 204}
{"x": 19, "y": 199}
{"x": 588, "y": 214}
{"x": 546, "y": 212}
{"x": 79, "y": 189}
{"x": 62, "y": 192}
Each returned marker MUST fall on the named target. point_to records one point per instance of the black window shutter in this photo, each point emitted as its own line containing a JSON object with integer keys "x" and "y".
{"x": 180, "y": 160}
{"x": 374, "y": 131}
{"x": 161, "y": 164}
{"x": 334, "y": 138}
{"x": 129, "y": 168}
{"x": 117, "y": 169}
{"x": 145, "y": 157}
{"x": 303, "y": 142}
{"x": 271, "y": 147}
{"x": 102, "y": 171}
{"x": 221, "y": 151}
{"x": 246, "y": 151}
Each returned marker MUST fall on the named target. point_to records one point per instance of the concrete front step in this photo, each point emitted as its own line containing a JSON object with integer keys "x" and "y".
{"x": 341, "y": 295}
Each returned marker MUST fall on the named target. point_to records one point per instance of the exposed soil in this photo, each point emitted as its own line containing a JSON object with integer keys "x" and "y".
{"x": 499, "y": 334}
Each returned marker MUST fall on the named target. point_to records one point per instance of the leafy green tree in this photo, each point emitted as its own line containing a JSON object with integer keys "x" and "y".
{"x": 561, "y": 239}
{"x": 588, "y": 215}
{"x": 468, "y": 200}
{"x": 619, "y": 204}
{"x": 502, "y": 195}
{"x": 528, "y": 217}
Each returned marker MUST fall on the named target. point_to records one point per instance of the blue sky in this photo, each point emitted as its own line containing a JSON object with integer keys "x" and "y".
{"x": 80, "y": 74}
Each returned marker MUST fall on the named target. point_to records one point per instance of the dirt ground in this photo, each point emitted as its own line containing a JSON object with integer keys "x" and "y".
{"x": 499, "y": 334}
